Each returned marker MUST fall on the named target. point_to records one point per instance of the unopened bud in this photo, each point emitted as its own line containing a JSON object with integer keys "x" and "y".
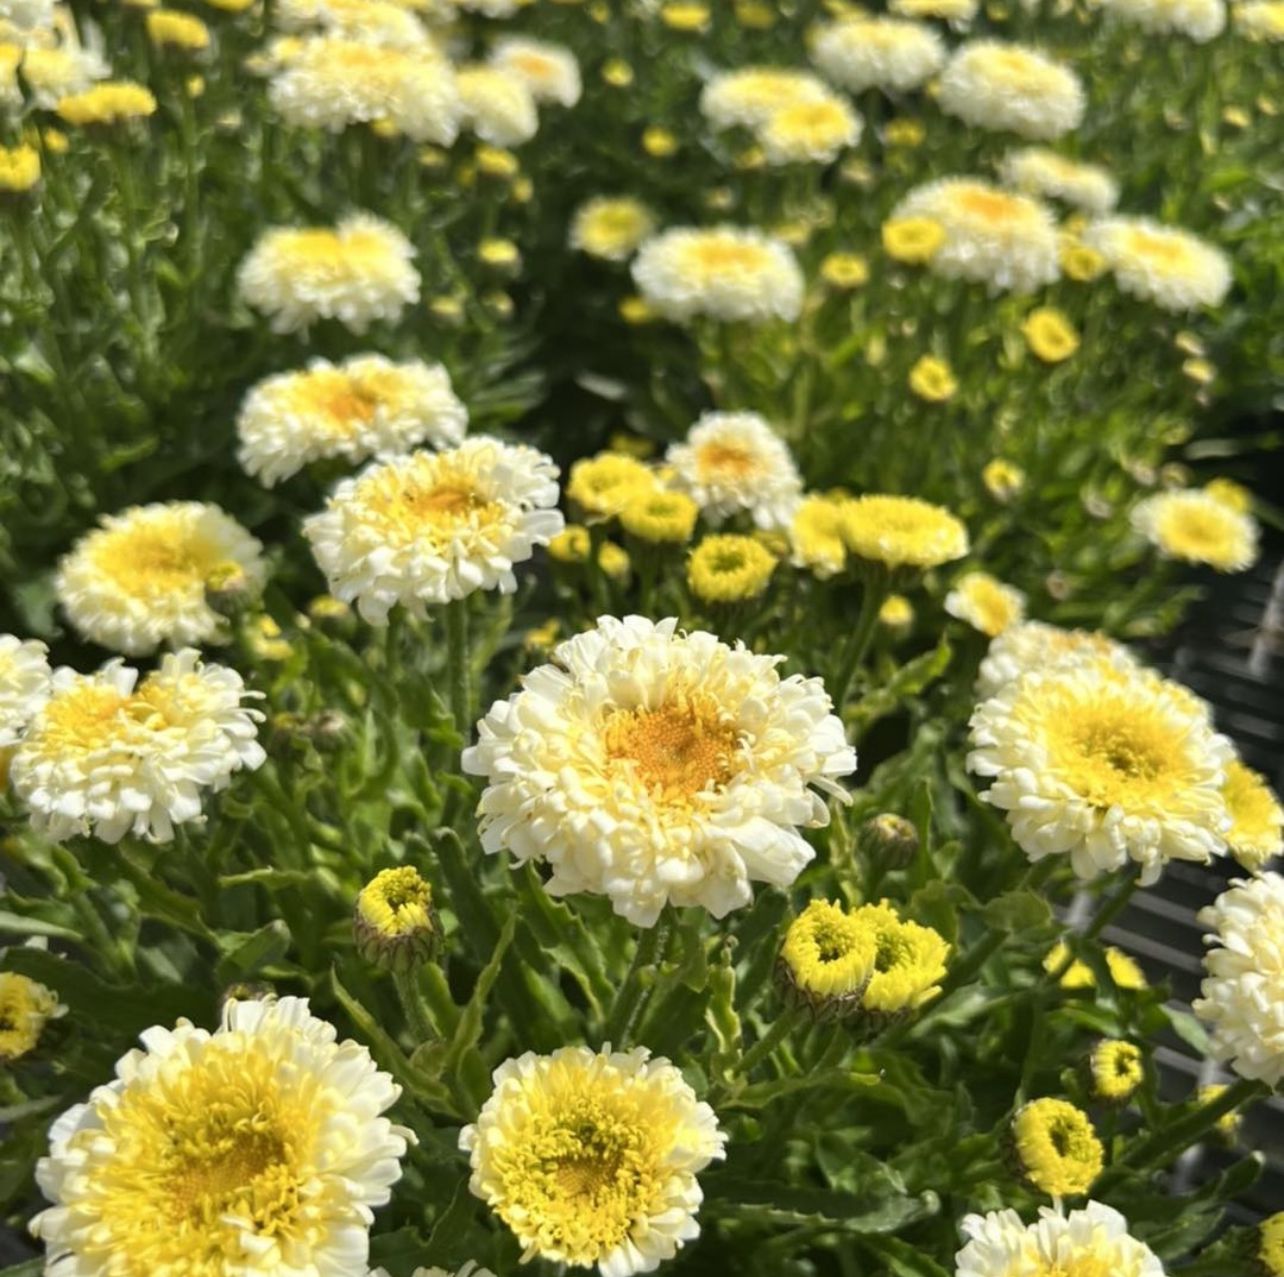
{"x": 889, "y": 840}
{"x": 394, "y": 923}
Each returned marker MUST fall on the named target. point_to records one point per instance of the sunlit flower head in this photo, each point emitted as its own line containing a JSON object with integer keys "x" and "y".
{"x": 140, "y": 578}
{"x": 366, "y": 406}
{"x": 810, "y": 132}
{"x": 360, "y": 272}
{"x": 654, "y": 766}
{"x": 729, "y": 569}
{"x": 1006, "y": 241}
{"x": 1050, "y": 335}
{"x": 1172, "y": 268}
{"x": 112, "y": 102}
{"x": 933, "y": 379}
{"x": 57, "y": 71}
{"x": 1003, "y": 479}
{"x": 1116, "y": 1070}
{"x": 1078, "y": 1243}
{"x": 734, "y": 463}
{"x": 1003, "y": 87}
{"x": 1123, "y": 969}
{"x": 24, "y": 684}
{"x": 660, "y": 517}
{"x": 111, "y": 755}
{"x": 1190, "y": 525}
{"x": 844, "y": 271}
{"x": 1245, "y": 963}
{"x": 909, "y": 962}
{"x": 603, "y": 485}
{"x": 1105, "y": 764}
{"x": 726, "y": 272}
{"x": 1201, "y": 20}
{"x": 902, "y": 532}
{"x": 332, "y": 82}
{"x": 26, "y": 1006}
{"x": 1033, "y": 645}
{"x": 1056, "y": 1148}
{"x": 381, "y": 22}
{"x": 750, "y": 96}
{"x": 173, "y": 29}
{"x": 816, "y": 536}
{"x": 611, "y": 227}
{"x": 985, "y": 603}
{"x": 549, "y": 71}
{"x": 259, "y": 1149}
{"x": 1234, "y": 496}
{"x": 591, "y": 1158}
{"x": 19, "y": 168}
{"x": 1034, "y": 170}
{"x": 1262, "y": 20}
{"x": 431, "y": 527}
{"x": 1256, "y": 835}
{"x": 827, "y": 959}
{"x": 497, "y": 106}
{"x": 862, "y": 53}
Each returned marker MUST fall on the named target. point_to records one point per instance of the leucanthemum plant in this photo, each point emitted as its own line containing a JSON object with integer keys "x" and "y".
{"x": 642, "y": 536}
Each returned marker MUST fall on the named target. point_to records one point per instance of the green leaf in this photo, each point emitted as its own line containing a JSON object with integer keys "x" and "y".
{"x": 469, "y": 1029}
{"x": 1017, "y": 912}
{"x": 876, "y": 1212}
{"x": 246, "y": 954}
{"x": 21, "y": 925}
{"x": 904, "y": 1260}
{"x": 1189, "y": 1029}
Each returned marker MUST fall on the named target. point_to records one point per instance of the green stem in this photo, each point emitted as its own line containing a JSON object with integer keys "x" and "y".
{"x": 875, "y": 591}
{"x": 459, "y": 657}
{"x": 628, "y": 1002}
{"x": 1162, "y": 1147}
{"x": 413, "y": 1005}
{"x": 781, "y": 1027}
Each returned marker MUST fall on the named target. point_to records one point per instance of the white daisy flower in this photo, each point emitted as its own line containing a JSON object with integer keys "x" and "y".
{"x": 366, "y": 406}
{"x": 993, "y": 237}
{"x": 109, "y": 756}
{"x": 749, "y": 97}
{"x": 497, "y": 106}
{"x": 1201, "y": 20}
{"x": 431, "y": 527}
{"x": 1194, "y": 526}
{"x": 549, "y": 71}
{"x": 726, "y": 273}
{"x": 655, "y": 767}
{"x": 1034, "y": 170}
{"x": 892, "y": 54}
{"x": 140, "y": 578}
{"x": 24, "y": 684}
{"x": 330, "y": 82}
{"x": 1003, "y": 87}
{"x": 259, "y": 1149}
{"x": 1243, "y": 1003}
{"x": 985, "y": 603}
{"x": 1034, "y": 645}
{"x": 1104, "y": 764}
{"x": 810, "y": 132}
{"x": 1162, "y": 264}
{"x": 733, "y": 462}
{"x": 358, "y": 273}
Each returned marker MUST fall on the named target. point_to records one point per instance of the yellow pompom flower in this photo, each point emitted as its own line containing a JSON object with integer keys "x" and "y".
{"x": 1123, "y": 969}
{"x": 985, "y": 603}
{"x": 909, "y": 962}
{"x": 1256, "y": 835}
{"x": 904, "y": 132}
{"x": 1050, "y": 335}
{"x": 1117, "y": 1070}
{"x": 660, "y": 517}
{"x": 603, "y": 485}
{"x": 809, "y": 132}
{"x": 571, "y": 545}
{"x": 614, "y": 561}
{"x": 114, "y": 102}
{"x": 659, "y": 143}
{"x": 827, "y": 960}
{"x": 933, "y": 380}
{"x": 617, "y": 73}
{"x": 591, "y": 1157}
{"x": 844, "y": 270}
{"x": 896, "y": 613}
{"x": 172, "y": 29}
{"x": 19, "y": 168}
{"x": 1234, "y": 496}
{"x": 685, "y": 15}
{"x": 914, "y": 240}
{"x": 1056, "y": 1147}
{"x": 902, "y": 532}
{"x": 394, "y": 922}
{"x": 611, "y": 229}
{"x": 1002, "y": 479}
{"x": 502, "y": 254}
{"x": 816, "y": 536}
{"x": 256, "y": 1149}
{"x": 1262, "y": 20}
{"x": 729, "y": 569}
{"x": 25, "y": 1008}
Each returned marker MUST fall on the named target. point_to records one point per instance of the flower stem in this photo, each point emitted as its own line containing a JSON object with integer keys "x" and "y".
{"x": 875, "y": 591}
{"x": 627, "y": 1008}
{"x": 781, "y": 1027}
{"x": 415, "y": 1009}
{"x": 459, "y": 657}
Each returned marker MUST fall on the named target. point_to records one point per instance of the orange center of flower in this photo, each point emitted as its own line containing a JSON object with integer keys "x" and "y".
{"x": 990, "y": 206}
{"x": 727, "y": 459}
{"x": 678, "y": 750}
